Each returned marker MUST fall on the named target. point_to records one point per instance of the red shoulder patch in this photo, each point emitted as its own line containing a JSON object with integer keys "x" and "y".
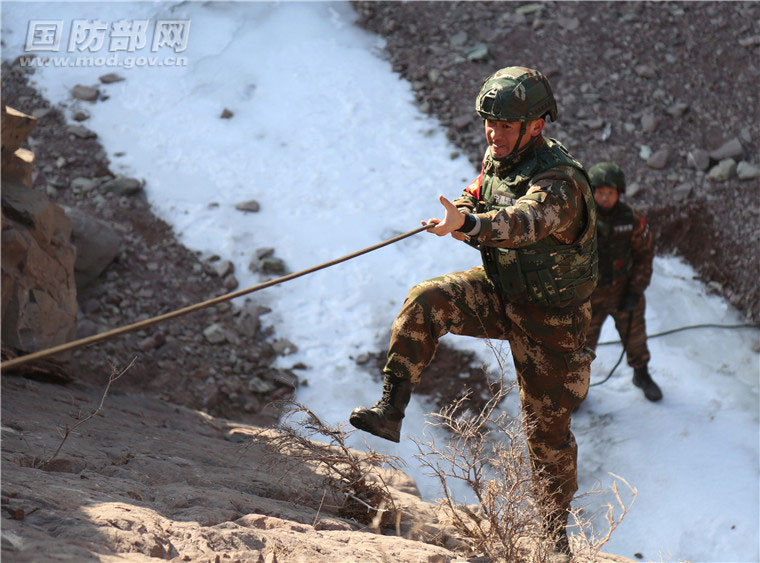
{"x": 475, "y": 186}
{"x": 641, "y": 227}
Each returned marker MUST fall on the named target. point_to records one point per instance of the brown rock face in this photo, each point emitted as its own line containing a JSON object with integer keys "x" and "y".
{"x": 39, "y": 307}
{"x": 17, "y": 163}
{"x": 16, "y": 127}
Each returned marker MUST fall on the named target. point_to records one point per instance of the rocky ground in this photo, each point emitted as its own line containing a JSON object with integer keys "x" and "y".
{"x": 146, "y": 479}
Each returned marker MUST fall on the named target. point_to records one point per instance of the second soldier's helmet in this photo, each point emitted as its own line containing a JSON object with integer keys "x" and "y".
{"x": 607, "y": 174}
{"x": 516, "y": 93}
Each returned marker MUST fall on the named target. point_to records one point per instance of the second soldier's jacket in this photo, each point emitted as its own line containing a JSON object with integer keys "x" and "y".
{"x": 626, "y": 250}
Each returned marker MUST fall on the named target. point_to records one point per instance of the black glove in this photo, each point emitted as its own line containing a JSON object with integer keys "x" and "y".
{"x": 628, "y": 302}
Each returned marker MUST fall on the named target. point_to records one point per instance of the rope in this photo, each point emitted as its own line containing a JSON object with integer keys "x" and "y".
{"x": 679, "y": 329}
{"x": 666, "y": 332}
{"x": 622, "y": 352}
{"x": 184, "y": 311}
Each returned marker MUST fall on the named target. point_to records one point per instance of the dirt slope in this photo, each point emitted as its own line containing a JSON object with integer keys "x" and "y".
{"x": 146, "y": 479}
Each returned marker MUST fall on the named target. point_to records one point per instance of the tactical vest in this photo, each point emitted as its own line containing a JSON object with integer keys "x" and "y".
{"x": 614, "y": 233}
{"x": 547, "y": 273}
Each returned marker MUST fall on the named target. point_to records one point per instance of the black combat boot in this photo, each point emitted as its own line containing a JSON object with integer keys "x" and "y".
{"x": 643, "y": 380}
{"x": 384, "y": 419}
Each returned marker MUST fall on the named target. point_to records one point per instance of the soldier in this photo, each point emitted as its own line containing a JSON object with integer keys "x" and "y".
{"x": 532, "y": 214}
{"x": 626, "y": 250}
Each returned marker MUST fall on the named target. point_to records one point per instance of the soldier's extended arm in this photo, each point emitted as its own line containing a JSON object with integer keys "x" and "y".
{"x": 549, "y": 207}
{"x": 642, "y": 251}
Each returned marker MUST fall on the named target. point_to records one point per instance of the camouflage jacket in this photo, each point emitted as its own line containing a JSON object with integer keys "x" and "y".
{"x": 536, "y": 208}
{"x": 626, "y": 248}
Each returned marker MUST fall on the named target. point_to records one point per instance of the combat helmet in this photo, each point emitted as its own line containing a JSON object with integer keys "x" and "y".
{"x": 607, "y": 174}
{"x": 516, "y": 93}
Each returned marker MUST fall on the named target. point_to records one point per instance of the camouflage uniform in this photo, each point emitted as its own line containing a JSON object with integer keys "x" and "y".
{"x": 547, "y": 343}
{"x": 535, "y": 223}
{"x": 626, "y": 251}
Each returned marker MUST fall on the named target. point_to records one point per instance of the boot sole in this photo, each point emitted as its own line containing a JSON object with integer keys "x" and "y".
{"x": 359, "y": 422}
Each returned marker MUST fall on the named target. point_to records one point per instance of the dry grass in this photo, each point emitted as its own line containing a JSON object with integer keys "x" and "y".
{"x": 487, "y": 451}
{"x": 356, "y": 487}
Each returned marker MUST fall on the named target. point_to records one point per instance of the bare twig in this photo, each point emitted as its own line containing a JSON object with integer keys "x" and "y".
{"x": 316, "y": 517}
{"x": 589, "y": 543}
{"x": 487, "y": 451}
{"x": 115, "y": 374}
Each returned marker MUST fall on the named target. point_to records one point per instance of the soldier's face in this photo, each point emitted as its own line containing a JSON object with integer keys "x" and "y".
{"x": 502, "y": 135}
{"x": 605, "y": 197}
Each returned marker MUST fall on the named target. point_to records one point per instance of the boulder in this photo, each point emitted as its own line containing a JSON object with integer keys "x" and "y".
{"x": 223, "y": 268}
{"x": 729, "y": 149}
{"x": 215, "y": 333}
{"x": 698, "y": 159}
{"x": 96, "y": 242}
{"x": 39, "y": 306}
{"x": 252, "y": 206}
{"x": 659, "y": 159}
{"x": 86, "y": 93}
{"x": 17, "y": 163}
{"x": 479, "y": 52}
{"x": 458, "y": 39}
{"x": 249, "y": 320}
{"x": 747, "y": 171}
{"x": 272, "y": 265}
{"x": 649, "y": 122}
{"x": 110, "y": 78}
{"x": 722, "y": 171}
{"x": 81, "y": 132}
{"x": 16, "y": 127}
{"x": 122, "y": 186}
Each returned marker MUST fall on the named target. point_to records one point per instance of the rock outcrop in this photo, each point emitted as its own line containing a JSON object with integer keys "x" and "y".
{"x": 17, "y": 162}
{"x": 39, "y": 307}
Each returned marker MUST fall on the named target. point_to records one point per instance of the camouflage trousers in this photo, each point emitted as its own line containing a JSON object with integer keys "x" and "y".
{"x": 630, "y": 326}
{"x": 548, "y": 349}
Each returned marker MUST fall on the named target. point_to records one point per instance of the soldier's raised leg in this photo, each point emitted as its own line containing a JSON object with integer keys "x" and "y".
{"x": 463, "y": 303}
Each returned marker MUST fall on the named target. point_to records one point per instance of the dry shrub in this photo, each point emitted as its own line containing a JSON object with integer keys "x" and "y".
{"x": 357, "y": 486}
{"x": 588, "y": 542}
{"x": 48, "y": 462}
{"x": 495, "y": 468}
{"x": 487, "y": 451}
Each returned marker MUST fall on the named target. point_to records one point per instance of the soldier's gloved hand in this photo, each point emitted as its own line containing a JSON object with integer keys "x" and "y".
{"x": 628, "y": 302}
